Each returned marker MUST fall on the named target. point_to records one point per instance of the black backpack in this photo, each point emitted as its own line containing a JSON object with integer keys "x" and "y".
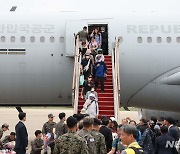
{"x": 137, "y": 150}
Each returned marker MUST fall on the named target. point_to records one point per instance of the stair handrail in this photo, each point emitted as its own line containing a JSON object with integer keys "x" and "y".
{"x": 116, "y": 77}
{"x": 76, "y": 75}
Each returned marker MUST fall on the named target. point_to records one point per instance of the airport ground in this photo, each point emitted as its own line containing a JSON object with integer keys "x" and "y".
{"x": 37, "y": 116}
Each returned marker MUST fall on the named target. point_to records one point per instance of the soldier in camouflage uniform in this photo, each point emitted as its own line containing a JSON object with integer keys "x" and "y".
{"x": 85, "y": 133}
{"x": 37, "y": 144}
{"x": 98, "y": 137}
{"x": 71, "y": 143}
{"x": 48, "y": 127}
{"x": 9, "y": 138}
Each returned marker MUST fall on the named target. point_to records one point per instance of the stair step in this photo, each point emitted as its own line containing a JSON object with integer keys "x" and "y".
{"x": 100, "y": 107}
{"x": 108, "y": 116}
{"x": 103, "y": 95}
{"x": 106, "y": 99}
{"x": 106, "y": 91}
{"x": 106, "y": 112}
{"x": 103, "y": 112}
{"x": 100, "y": 102}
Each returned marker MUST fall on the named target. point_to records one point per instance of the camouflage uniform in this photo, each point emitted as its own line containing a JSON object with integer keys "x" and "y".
{"x": 1, "y": 133}
{"x": 70, "y": 143}
{"x": 48, "y": 128}
{"x": 89, "y": 140}
{"x": 60, "y": 129}
{"x": 7, "y": 139}
{"x": 100, "y": 142}
{"x": 36, "y": 146}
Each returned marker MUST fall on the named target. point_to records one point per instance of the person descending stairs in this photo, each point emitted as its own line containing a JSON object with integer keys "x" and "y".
{"x": 106, "y": 98}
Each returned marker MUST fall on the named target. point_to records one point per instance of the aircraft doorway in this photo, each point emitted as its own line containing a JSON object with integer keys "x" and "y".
{"x": 103, "y": 34}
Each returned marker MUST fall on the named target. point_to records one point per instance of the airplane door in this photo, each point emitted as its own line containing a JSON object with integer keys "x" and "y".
{"x": 73, "y": 26}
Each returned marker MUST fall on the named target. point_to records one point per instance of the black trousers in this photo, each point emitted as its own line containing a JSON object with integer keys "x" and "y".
{"x": 101, "y": 81}
{"x": 105, "y": 48}
{"x": 20, "y": 151}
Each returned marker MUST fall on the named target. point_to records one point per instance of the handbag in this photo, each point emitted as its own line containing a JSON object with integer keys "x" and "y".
{"x": 81, "y": 79}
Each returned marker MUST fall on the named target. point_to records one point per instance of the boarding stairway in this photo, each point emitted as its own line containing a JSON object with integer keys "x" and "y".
{"x": 109, "y": 100}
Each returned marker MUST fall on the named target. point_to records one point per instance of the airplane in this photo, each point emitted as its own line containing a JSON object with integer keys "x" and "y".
{"x": 37, "y": 45}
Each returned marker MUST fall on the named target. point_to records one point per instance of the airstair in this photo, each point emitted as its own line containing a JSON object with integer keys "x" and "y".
{"x": 110, "y": 99}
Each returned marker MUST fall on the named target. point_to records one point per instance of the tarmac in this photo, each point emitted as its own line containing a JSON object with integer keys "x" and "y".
{"x": 37, "y": 116}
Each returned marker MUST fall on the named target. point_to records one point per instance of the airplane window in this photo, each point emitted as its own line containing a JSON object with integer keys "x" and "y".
{"x": 52, "y": 39}
{"x": 149, "y": 39}
{"x": 178, "y": 39}
{"x": 61, "y": 39}
{"x": 168, "y": 39}
{"x": 159, "y": 39}
{"x": 13, "y": 38}
{"x": 22, "y": 39}
{"x": 121, "y": 39}
{"x": 139, "y": 39}
{"x": 32, "y": 39}
{"x": 3, "y": 39}
{"x": 42, "y": 39}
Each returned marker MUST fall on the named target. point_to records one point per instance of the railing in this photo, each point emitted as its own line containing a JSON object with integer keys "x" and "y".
{"x": 116, "y": 77}
{"x": 76, "y": 75}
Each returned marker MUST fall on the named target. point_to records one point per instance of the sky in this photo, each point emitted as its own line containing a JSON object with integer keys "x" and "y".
{"x": 164, "y": 6}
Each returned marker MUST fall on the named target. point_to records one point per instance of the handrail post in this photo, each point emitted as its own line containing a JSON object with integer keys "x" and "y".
{"x": 116, "y": 79}
{"x": 76, "y": 74}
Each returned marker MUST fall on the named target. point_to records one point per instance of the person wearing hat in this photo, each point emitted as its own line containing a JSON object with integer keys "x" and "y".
{"x": 99, "y": 57}
{"x": 86, "y": 65}
{"x": 91, "y": 106}
{"x": 87, "y": 86}
{"x": 93, "y": 92}
{"x": 71, "y": 142}
{"x": 4, "y": 128}
{"x": 21, "y": 144}
{"x": 49, "y": 128}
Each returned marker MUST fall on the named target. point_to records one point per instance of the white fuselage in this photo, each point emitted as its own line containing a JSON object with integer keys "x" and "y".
{"x": 42, "y": 75}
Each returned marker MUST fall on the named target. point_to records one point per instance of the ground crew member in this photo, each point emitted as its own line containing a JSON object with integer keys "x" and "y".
{"x": 98, "y": 137}
{"x": 71, "y": 143}
{"x": 48, "y": 127}
{"x": 85, "y": 133}
{"x": 37, "y": 144}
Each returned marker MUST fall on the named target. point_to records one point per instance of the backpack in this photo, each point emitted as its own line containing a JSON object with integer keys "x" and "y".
{"x": 137, "y": 150}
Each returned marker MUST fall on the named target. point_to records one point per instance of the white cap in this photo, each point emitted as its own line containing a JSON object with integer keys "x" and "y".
{"x": 112, "y": 118}
{"x": 91, "y": 95}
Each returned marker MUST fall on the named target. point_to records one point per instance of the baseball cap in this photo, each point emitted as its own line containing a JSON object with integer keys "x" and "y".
{"x": 5, "y": 125}
{"x": 50, "y": 115}
{"x": 91, "y": 95}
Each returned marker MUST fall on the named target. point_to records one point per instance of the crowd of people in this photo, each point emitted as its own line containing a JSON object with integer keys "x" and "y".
{"x": 81, "y": 134}
{"x": 93, "y": 46}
